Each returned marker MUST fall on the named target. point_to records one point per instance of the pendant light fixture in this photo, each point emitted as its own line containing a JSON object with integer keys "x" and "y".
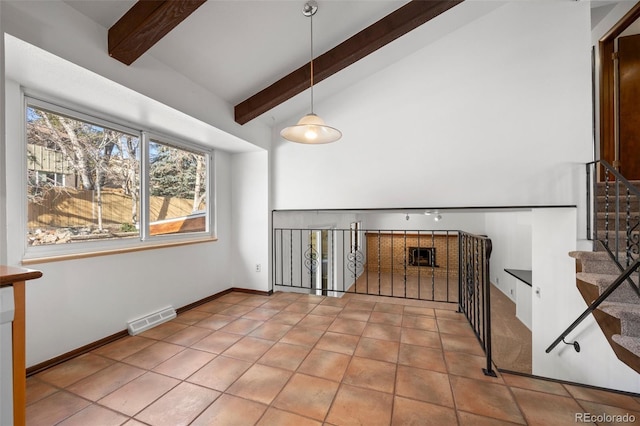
{"x": 311, "y": 129}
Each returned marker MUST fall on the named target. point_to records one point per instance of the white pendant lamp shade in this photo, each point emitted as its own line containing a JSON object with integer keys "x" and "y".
{"x": 311, "y": 130}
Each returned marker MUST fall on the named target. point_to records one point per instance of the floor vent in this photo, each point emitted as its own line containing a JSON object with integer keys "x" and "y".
{"x": 141, "y": 324}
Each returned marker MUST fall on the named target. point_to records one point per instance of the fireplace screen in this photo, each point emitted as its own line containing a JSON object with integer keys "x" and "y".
{"x": 422, "y": 256}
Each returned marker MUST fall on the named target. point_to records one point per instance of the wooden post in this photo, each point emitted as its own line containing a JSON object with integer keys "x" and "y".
{"x": 16, "y": 277}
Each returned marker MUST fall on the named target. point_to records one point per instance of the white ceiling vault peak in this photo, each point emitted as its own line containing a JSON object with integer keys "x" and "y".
{"x": 235, "y": 48}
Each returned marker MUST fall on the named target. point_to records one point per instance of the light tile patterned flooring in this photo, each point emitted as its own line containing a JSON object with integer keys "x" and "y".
{"x": 296, "y": 359}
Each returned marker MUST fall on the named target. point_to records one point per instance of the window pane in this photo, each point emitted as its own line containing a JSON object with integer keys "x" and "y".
{"x": 178, "y": 193}
{"x": 83, "y": 180}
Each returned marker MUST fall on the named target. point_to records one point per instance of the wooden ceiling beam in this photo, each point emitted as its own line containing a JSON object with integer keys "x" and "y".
{"x": 145, "y": 24}
{"x": 372, "y": 38}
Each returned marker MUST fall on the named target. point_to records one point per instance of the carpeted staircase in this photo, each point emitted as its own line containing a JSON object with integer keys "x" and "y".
{"x": 619, "y": 315}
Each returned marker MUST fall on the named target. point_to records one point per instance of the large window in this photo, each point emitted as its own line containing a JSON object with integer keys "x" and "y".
{"x": 85, "y": 182}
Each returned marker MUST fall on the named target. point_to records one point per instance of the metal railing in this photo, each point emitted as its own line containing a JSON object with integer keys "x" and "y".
{"x": 610, "y": 194}
{"x": 613, "y": 212}
{"x": 445, "y": 266}
{"x": 616, "y": 201}
{"x": 617, "y": 283}
{"x": 411, "y": 264}
{"x": 475, "y": 289}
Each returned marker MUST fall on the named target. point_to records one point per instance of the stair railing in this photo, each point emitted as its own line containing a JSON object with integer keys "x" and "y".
{"x": 614, "y": 203}
{"x": 410, "y": 264}
{"x": 475, "y": 289}
{"x": 610, "y": 175}
{"x": 612, "y": 206}
{"x": 622, "y": 278}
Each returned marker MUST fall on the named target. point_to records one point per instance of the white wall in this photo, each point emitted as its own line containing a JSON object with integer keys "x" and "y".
{"x": 3, "y": 194}
{"x": 251, "y": 220}
{"x": 77, "y": 302}
{"x": 554, "y": 275}
{"x": 312, "y": 219}
{"x": 80, "y": 301}
{"x": 465, "y": 221}
{"x": 496, "y": 113}
{"x": 510, "y": 233}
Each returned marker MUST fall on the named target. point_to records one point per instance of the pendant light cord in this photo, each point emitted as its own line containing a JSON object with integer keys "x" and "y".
{"x": 310, "y": 129}
{"x": 311, "y": 17}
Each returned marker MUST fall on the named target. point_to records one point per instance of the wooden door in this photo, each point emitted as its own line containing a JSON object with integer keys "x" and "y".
{"x": 629, "y": 95}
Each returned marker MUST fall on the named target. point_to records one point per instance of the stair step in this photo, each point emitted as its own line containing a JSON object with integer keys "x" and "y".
{"x": 623, "y": 294}
{"x": 616, "y": 308}
{"x": 601, "y": 198}
{"x": 629, "y": 315}
{"x": 599, "y": 255}
{"x": 599, "y": 262}
{"x": 601, "y": 280}
{"x": 589, "y": 255}
{"x": 624, "y": 303}
{"x": 601, "y": 205}
{"x": 602, "y": 219}
{"x": 622, "y": 213}
{"x": 632, "y": 344}
{"x": 601, "y": 225}
{"x": 606, "y": 266}
{"x": 600, "y": 187}
{"x": 622, "y": 233}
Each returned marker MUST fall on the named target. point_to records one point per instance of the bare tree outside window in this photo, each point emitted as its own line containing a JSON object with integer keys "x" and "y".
{"x": 83, "y": 180}
{"x": 176, "y": 173}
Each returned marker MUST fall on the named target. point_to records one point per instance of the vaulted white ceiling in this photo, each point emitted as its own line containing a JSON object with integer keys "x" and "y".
{"x": 235, "y": 48}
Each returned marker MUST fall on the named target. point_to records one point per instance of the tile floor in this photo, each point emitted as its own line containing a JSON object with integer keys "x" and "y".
{"x": 294, "y": 359}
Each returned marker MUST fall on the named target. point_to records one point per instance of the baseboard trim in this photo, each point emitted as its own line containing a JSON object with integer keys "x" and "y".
{"x": 252, "y": 291}
{"x": 35, "y": 369}
{"x": 222, "y": 293}
{"x": 203, "y": 301}
{"x": 74, "y": 353}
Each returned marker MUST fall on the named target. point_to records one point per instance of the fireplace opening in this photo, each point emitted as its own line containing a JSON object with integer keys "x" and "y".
{"x": 422, "y": 256}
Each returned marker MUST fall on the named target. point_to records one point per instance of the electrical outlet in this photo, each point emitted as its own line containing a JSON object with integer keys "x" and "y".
{"x": 511, "y": 291}
{"x": 258, "y": 267}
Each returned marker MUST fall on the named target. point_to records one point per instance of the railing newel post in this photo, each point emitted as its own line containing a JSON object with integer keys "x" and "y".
{"x": 487, "y": 310}
{"x": 588, "y": 172}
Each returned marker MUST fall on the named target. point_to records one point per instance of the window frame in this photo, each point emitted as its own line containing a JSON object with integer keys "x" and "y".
{"x": 149, "y": 137}
{"x": 52, "y": 252}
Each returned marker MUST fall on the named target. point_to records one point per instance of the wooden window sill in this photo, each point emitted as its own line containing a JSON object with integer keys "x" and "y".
{"x": 120, "y": 250}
